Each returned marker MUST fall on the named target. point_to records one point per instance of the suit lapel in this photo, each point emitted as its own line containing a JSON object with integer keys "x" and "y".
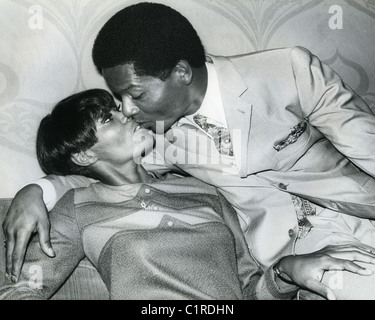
{"x": 237, "y": 110}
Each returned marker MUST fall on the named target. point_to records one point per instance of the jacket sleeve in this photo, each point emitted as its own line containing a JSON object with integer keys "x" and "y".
{"x": 42, "y": 276}
{"x": 54, "y": 187}
{"x": 334, "y": 109}
{"x": 256, "y": 284}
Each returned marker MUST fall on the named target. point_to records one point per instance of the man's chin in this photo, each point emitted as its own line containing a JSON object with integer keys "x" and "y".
{"x": 160, "y": 127}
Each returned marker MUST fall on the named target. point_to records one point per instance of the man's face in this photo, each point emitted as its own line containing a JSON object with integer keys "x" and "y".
{"x": 148, "y": 99}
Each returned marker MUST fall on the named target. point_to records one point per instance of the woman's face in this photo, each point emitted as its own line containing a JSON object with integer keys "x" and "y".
{"x": 121, "y": 139}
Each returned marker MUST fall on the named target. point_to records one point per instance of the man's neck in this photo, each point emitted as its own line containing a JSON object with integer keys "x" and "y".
{"x": 198, "y": 89}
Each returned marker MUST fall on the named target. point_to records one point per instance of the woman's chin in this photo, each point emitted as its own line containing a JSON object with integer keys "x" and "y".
{"x": 144, "y": 143}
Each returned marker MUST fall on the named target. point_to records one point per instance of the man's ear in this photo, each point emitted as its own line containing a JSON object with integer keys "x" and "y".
{"x": 84, "y": 158}
{"x": 184, "y": 72}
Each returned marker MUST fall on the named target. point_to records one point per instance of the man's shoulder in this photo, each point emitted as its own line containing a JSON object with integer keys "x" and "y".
{"x": 268, "y": 54}
{"x": 251, "y": 54}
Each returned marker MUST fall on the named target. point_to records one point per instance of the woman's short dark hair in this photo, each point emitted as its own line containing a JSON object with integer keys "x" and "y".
{"x": 71, "y": 128}
{"x": 153, "y": 37}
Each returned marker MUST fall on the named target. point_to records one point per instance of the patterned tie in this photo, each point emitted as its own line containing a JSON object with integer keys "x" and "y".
{"x": 220, "y": 135}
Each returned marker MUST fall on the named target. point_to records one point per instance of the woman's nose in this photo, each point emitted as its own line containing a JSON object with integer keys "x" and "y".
{"x": 123, "y": 119}
{"x": 120, "y": 117}
{"x": 128, "y": 108}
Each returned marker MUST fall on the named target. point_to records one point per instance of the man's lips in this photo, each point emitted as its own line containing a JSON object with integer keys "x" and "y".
{"x": 137, "y": 127}
{"x": 143, "y": 125}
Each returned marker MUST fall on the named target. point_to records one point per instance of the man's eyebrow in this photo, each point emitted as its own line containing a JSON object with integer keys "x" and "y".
{"x": 120, "y": 90}
{"x": 130, "y": 86}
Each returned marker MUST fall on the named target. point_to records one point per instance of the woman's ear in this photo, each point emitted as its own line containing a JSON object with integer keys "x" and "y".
{"x": 84, "y": 158}
{"x": 184, "y": 72}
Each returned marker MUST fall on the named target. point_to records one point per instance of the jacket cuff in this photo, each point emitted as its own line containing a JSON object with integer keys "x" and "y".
{"x": 287, "y": 292}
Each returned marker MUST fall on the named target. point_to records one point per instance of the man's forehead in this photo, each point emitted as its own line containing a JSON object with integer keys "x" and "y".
{"x": 123, "y": 77}
{"x": 119, "y": 73}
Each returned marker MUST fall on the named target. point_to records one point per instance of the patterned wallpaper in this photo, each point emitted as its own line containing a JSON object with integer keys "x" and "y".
{"x": 45, "y": 53}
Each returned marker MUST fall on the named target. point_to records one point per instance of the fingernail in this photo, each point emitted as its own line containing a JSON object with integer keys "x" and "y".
{"x": 331, "y": 296}
{"x": 13, "y": 279}
{"x": 368, "y": 271}
{"x": 51, "y": 252}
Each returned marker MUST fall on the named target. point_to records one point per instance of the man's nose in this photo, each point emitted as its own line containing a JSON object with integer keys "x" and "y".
{"x": 128, "y": 108}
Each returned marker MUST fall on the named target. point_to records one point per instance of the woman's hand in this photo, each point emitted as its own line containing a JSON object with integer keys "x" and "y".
{"x": 307, "y": 270}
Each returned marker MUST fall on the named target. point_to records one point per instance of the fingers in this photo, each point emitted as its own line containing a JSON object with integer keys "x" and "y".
{"x": 44, "y": 239}
{"x": 333, "y": 264}
{"x": 9, "y": 253}
{"x": 18, "y": 255}
{"x": 308, "y": 269}
{"x": 345, "y": 265}
{"x": 26, "y": 213}
{"x": 357, "y": 256}
{"x": 350, "y": 252}
{"x": 351, "y": 247}
{"x": 320, "y": 288}
{"x": 16, "y": 249}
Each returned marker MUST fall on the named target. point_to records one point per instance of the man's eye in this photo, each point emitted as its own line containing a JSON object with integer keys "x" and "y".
{"x": 137, "y": 97}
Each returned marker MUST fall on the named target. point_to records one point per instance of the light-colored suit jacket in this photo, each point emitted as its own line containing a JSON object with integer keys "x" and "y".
{"x": 303, "y": 132}
{"x": 329, "y": 157}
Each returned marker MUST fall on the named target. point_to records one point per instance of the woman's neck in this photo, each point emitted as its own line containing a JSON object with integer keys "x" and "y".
{"x": 118, "y": 176}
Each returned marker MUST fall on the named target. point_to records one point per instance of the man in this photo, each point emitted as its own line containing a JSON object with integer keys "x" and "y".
{"x": 301, "y": 149}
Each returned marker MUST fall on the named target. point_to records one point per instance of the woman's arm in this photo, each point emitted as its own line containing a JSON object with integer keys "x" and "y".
{"x": 41, "y": 276}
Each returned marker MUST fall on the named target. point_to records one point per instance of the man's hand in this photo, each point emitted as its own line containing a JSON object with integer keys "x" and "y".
{"x": 26, "y": 215}
{"x": 307, "y": 270}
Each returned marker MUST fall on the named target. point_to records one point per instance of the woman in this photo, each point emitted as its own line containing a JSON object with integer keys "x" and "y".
{"x": 150, "y": 237}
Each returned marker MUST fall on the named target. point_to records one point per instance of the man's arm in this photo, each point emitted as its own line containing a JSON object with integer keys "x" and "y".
{"x": 334, "y": 109}
{"x": 28, "y": 214}
{"x": 291, "y": 273}
{"x": 41, "y": 276}
{"x": 307, "y": 270}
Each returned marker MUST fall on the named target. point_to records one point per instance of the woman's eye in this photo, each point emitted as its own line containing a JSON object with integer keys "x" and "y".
{"x": 119, "y": 108}
{"x": 107, "y": 119}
